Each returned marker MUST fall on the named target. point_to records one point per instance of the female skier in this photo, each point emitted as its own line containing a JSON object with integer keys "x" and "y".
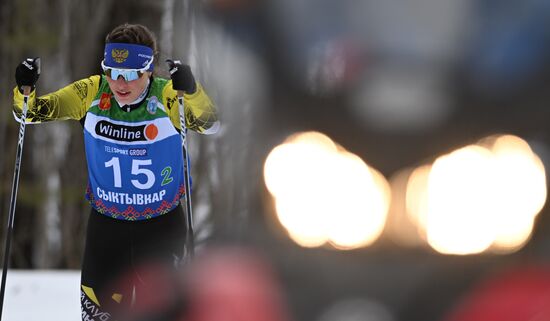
{"x": 134, "y": 157}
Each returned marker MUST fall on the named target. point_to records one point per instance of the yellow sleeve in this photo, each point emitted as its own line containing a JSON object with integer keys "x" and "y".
{"x": 70, "y": 102}
{"x": 200, "y": 113}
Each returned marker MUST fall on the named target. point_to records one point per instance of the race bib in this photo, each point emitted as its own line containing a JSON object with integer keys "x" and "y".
{"x": 135, "y": 168}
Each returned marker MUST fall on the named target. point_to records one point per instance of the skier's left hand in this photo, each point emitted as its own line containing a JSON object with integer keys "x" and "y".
{"x": 182, "y": 77}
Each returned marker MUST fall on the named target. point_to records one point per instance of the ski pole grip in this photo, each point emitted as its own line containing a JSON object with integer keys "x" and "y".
{"x": 26, "y": 90}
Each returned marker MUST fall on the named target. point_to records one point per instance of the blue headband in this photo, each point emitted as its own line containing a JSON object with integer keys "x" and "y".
{"x": 128, "y": 56}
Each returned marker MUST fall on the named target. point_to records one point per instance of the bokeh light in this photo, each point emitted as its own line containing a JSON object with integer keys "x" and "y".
{"x": 459, "y": 202}
{"x": 417, "y": 197}
{"x": 325, "y": 194}
{"x": 521, "y": 187}
{"x": 479, "y": 197}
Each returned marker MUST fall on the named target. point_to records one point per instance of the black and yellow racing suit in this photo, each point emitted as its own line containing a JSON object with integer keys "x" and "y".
{"x": 118, "y": 251}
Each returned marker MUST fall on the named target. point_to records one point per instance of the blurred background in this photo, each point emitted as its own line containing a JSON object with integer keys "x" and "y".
{"x": 386, "y": 158}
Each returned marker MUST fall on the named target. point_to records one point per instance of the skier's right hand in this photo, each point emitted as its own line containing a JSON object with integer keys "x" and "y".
{"x": 27, "y": 73}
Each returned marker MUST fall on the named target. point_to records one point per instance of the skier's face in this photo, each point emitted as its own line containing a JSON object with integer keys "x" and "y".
{"x": 128, "y": 91}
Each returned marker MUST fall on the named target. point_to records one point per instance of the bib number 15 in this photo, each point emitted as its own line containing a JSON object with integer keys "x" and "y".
{"x": 138, "y": 168}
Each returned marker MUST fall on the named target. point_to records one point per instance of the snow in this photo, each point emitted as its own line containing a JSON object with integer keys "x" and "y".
{"x": 42, "y": 295}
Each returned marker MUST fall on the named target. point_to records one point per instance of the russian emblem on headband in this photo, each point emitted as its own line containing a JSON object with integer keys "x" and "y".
{"x": 119, "y": 55}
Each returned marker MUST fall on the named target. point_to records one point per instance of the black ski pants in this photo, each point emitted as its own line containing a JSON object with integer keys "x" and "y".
{"x": 124, "y": 259}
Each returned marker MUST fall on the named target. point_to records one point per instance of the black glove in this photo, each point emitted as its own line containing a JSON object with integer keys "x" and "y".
{"x": 182, "y": 77}
{"x": 27, "y": 73}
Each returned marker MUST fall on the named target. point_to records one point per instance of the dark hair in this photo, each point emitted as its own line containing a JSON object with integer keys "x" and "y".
{"x": 134, "y": 34}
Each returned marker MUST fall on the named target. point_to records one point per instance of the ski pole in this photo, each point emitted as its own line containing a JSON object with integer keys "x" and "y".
{"x": 15, "y": 185}
{"x": 190, "y": 242}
